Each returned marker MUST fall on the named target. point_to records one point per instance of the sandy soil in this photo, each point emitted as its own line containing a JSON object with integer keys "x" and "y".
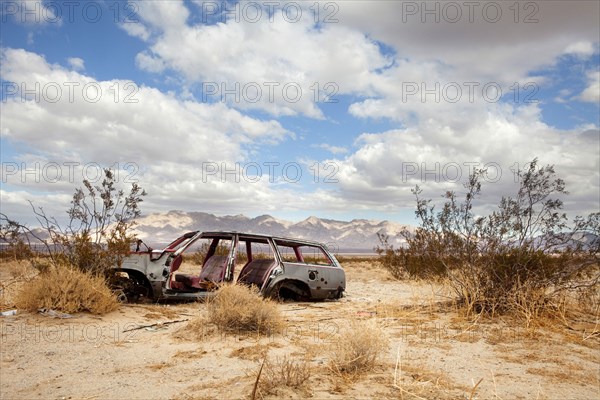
{"x": 433, "y": 352}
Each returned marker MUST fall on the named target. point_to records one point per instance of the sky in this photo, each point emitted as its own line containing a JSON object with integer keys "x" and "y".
{"x": 334, "y": 109}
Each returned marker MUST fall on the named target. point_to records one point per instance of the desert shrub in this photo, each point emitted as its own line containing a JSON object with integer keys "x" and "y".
{"x": 15, "y": 275}
{"x": 402, "y": 263}
{"x": 239, "y": 308}
{"x": 13, "y": 244}
{"x": 358, "y": 348}
{"x": 283, "y": 373}
{"x": 67, "y": 289}
{"x": 97, "y": 233}
{"x": 17, "y": 250}
{"x": 522, "y": 257}
{"x": 343, "y": 259}
{"x": 198, "y": 257}
{"x": 588, "y": 300}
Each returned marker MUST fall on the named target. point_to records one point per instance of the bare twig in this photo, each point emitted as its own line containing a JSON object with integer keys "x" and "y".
{"x": 474, "y": 389}
{"x": 157, "y": 324}
{"x": 253, "y": 397}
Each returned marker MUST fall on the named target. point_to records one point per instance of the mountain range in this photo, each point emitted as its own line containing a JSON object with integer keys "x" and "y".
{"x": 358, "y": 235}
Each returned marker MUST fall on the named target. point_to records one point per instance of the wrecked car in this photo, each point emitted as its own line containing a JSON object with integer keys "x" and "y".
{"x": 281, "y": 268}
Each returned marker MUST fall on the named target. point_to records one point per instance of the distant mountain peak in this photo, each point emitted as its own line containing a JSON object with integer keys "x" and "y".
{"x": 264, "y": 217}
{"x": 359, "y": 234}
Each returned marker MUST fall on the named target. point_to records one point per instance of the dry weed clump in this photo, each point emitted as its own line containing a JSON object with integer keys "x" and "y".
{"x": 588, "y": 300}
{"x": 238, "y": 308}
{"x": 252, "y": 353}
{"x": 67, "y": 289}
{"x": 13, "y": 275}
{"x": 16, "y": 270}
{"x": 358, "y": 349}
{"x": 284, "y": 373}
{"x": 198, "y": 329}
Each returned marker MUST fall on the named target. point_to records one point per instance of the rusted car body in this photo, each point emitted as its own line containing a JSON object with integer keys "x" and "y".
{"x": 279, "y": 267}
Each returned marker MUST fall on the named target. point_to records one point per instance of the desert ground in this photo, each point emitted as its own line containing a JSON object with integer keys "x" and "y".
{"x": 433, "y": 351}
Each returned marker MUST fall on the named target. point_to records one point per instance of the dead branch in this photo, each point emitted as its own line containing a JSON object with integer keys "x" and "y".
{"x": 156, "y": 324}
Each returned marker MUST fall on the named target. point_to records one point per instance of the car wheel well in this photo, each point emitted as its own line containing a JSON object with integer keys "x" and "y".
{"x": 290, "y": 290}
{"x": 135, "y": 284}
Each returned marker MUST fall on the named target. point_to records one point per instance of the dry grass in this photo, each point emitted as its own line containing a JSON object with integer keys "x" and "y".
{"x": 240, "y": 309}
{"x": 365, "y": 269}
{"x": 16, "y": 269}
{"x": 415, "y": 380}
{"x": 588, "y": 300}
{"x": 159, "y": 366}
{"x": 569, "y": 373}
{"x": 186, "y": 396}
{"x": 190, "y": 354}
{"x": 251, "y": 353}
{"x": 13, "y": 274}
{"x": 358, "y": 349}
{"x": 160, "y": 311}
{"x": 284, "y": 373}
{"x": 214, "y": 388}
{"x": 68, "y": 290}
{"x": 197, "y": 329}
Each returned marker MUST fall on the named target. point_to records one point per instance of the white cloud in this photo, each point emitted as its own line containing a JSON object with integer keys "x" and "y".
{"x": 164, "y": 139}
{"x": 15, "y": 204}
{"x": 67, "y": 110}
{"x": 592, "y": 91}
{"x": 76, "y": 63}
{"x": 136, "y": 29}
{"x": 146, "y": 61}
{"x": 347, "y": 55}
{"x": 465, "y": 54}
{"x": 581, "y": 49}
{"x": 475, "y": 46}
{"x": 268, "y": 60}
{"x": 438, "y": 157}
{"x": 390, "y": 63}
{"x": 332, "y": 149}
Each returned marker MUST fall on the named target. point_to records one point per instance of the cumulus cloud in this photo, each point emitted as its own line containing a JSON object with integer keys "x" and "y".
{"x": 483, "y": 41}
{"x": 437, "y": 157}
{"x": 282, "y": 67}
{"x": 376, "y": 50}
{"x": 582, "y": 49}
{"x": 76, "y": 63}
{"x": 443, "y": 87}
{"x": 592, "y": 91}
{"x": 136, "y": 30}
{"x": 63, "y": 117}
{"x": 69, "y": 113}
{"x": 332, "y": 149}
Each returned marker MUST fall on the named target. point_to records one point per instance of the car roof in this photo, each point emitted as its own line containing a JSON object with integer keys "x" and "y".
{"x": 280, "y": 239}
